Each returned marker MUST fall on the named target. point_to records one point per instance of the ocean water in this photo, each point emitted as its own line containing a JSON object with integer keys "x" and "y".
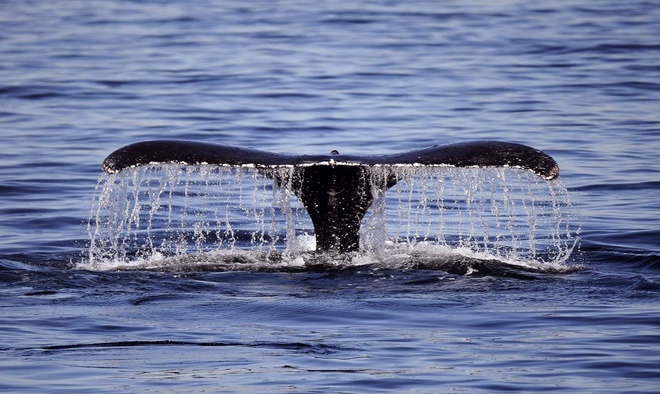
{"x": 436, "y": 305}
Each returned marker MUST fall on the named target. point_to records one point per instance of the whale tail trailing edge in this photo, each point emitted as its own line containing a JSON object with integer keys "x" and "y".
{"x": 335, "y": 189}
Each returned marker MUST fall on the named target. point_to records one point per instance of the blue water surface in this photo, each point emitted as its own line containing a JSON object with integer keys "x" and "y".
{"x": 579, "y": 80}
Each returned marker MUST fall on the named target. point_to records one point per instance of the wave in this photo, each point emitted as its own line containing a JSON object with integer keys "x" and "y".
{"x": 421, "y": 256}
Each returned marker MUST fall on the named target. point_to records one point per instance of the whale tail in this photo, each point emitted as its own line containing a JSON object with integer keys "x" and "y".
{"x": 336, "y": 190}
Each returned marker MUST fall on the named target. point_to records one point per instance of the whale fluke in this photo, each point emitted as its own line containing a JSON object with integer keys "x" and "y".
{"x": 335, "y": 189}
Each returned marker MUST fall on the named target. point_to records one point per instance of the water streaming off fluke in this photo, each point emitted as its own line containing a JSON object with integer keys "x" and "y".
{"x": 225, "y": 218}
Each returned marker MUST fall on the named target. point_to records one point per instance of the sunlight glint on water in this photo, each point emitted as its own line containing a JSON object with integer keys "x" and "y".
{"x": 152, "y": 212}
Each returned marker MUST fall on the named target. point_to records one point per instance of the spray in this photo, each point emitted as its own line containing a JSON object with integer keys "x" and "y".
{"x": 156, "y": 212}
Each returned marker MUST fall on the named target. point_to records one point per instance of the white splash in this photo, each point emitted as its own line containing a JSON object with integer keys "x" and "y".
{"x": 185, "y": 217}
